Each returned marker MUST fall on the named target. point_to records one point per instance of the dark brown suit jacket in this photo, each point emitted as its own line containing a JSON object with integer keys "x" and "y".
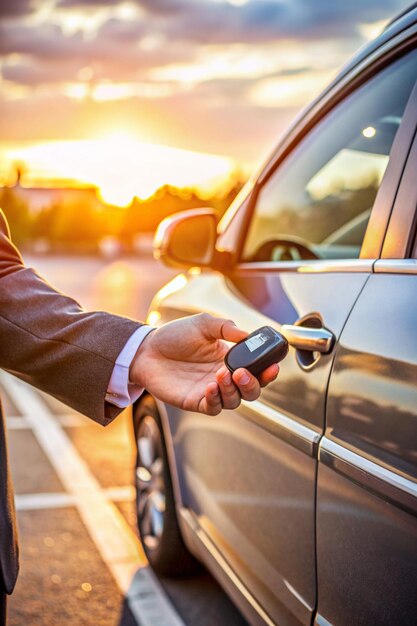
{"x": 49, "y": 341}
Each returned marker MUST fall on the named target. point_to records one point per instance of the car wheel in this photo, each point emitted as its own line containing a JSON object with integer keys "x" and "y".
{"x": 155, "y": 503}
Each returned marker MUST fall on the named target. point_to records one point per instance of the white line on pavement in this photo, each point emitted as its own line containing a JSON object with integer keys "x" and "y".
{"x": 120, "y": 494}
{"x": 58, "y": 500}
{"x": 71, "y": 420}
{"x": 35, "y": 501}
{"x": 113, "y": 537}
{"x": 17, "y": 422}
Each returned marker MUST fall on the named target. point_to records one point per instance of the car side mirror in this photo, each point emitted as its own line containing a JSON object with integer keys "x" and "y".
{"x": 187, "y": 239}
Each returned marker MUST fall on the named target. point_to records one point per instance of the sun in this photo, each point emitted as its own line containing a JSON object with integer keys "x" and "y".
{"x": 119, "y": 197}
{"x": 120, "y": 183}
{"x": 138, "y": 169}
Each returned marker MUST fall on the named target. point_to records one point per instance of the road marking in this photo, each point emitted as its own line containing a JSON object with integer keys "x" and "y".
{"x": 71, "y": 420}
{"x": 17, "y": 422}
{"x": 120, "y": 494}
{"x": 35, "y": 501}
{"x": 59, "y": 500}
{"x": 116, "y": 542}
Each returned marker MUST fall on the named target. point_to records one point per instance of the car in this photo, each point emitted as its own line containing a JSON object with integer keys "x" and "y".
{"x": 303, "y": 503}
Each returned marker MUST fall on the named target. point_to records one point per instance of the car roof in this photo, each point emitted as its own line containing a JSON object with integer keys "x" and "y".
{"x": 398, "y": 24}
{"x": 407, "y": 12}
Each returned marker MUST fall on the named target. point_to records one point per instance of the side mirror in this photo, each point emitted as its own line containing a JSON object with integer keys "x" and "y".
{"x": 187, "y": 238}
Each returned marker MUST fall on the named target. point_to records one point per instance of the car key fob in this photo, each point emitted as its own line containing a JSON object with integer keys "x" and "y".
{"x": 259, "y": 350}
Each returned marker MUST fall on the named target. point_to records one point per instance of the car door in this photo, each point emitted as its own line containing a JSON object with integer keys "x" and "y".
{"x": 249, "y": 476}
{"x": 367, "y": 478}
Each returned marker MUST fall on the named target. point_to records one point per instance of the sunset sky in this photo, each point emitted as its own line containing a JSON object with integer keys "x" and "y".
{"x": 124, "y": 94}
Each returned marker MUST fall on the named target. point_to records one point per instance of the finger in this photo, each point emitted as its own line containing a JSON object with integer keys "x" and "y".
{"x": 247, "y": 384}
{"x": 211, "y": 404}
{"x": 230, "y": 332}
{"x": 229, "y": 392}
{"x": 268, "y": 375}
{"x": 220, "y": 328}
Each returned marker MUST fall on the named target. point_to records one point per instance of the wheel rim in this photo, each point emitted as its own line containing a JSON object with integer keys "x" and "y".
{"x": 150, "y": 487}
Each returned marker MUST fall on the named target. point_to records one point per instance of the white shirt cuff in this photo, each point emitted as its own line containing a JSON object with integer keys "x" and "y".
{"x": 120, "y": 391}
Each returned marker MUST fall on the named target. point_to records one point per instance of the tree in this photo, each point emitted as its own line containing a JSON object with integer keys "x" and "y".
{"x": 17, "y": 214}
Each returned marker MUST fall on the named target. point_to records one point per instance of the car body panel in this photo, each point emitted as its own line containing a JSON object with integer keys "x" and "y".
{"x": 251, "y": 487}
{"x": 367, "y": 480}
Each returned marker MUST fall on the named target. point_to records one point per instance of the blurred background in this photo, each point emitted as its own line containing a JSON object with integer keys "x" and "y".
{"x": 124, "y": 112}
{"x": 113, "y": 115}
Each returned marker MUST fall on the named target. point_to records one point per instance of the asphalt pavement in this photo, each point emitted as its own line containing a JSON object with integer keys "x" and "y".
{"x": 81, "y": 560}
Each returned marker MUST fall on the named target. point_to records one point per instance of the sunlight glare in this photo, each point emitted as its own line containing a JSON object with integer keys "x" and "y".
{"x": 289, "y": 90}
{"x": 153, "y": 318}
{"x": 372, "y": 30}
{"x": 121, "y": 166}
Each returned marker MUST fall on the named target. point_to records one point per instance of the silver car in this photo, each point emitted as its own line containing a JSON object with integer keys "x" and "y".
{"x": 303, "y": 504}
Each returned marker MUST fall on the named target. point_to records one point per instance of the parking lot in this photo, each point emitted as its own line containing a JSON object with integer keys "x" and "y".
{"x": 81, "y": 561}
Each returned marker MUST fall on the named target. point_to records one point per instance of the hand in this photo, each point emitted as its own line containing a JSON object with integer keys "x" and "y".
{"x": 181, "y": 363}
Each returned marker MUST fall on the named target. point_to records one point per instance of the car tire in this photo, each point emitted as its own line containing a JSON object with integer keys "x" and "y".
{"x": 155, "y": 503}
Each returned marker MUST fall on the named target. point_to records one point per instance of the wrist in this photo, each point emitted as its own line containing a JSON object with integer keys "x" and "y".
{"x": 137, "y": 369}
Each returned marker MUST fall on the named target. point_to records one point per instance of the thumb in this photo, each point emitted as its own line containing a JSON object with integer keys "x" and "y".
{"x": 220, "y": 328}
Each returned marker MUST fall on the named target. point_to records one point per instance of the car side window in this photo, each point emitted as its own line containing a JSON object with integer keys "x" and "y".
{"x": 318, "y": 202}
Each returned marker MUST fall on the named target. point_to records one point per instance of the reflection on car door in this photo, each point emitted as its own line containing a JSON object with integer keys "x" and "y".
{"x": 367, "y": 479}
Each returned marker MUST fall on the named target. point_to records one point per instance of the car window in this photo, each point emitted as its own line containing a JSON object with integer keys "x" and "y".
{"x": 318, "y": 202}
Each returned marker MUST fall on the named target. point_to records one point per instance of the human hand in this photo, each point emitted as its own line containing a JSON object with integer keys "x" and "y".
{"x": 181, "y": 363}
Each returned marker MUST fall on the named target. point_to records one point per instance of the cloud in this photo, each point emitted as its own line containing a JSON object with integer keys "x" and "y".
{"x": 269, "y": 20}
{"x": 206, "y": 21}
{"x": 156, "y": 6}
{"x": 115, "y": 52}
{"x": 192, "y": 22}
{"x": 125, "y": 31}
{"x": 173, "y": 32}
{"x": 194, "y": 121}
{"x": 14, "y": 8}
{"x": 45, "y": 41}
{"x": 84, "y": 3}
{"x": 32, "y": 74}
{"x": 47, "y": 56}
{"x": 222, "y": 113}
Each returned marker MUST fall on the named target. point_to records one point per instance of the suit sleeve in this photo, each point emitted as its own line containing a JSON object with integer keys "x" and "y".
{"x": 49, "y": 341}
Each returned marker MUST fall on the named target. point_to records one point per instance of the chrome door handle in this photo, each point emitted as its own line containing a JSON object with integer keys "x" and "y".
{"x": 308, "y": 339}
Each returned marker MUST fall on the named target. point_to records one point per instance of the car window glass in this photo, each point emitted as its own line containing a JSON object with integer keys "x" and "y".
{"x": 318, "y": 202}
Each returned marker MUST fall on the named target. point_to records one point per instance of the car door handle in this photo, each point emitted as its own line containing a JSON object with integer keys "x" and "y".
{"x": 308, "y": 339}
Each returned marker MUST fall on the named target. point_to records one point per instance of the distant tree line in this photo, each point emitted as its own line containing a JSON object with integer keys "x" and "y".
{"x": 81, "y": 226}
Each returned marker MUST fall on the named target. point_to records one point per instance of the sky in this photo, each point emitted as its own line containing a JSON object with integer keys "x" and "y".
{"x": 131, "y": 94}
